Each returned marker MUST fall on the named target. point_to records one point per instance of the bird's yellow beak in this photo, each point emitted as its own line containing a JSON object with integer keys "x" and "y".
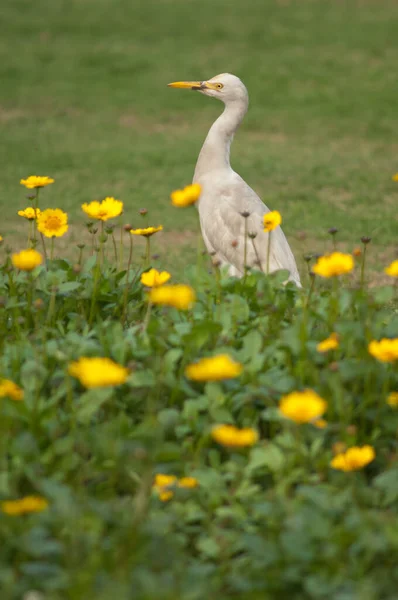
{"x": 188, "y": 85}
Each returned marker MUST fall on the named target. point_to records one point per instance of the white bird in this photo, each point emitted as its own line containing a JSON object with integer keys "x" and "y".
{"x": 231, "y": 214}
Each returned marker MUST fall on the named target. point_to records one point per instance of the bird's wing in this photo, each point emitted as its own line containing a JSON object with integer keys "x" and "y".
{"x": 224, "y": 225}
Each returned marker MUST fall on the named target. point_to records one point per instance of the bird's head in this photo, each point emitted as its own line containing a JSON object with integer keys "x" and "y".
{"x": 226, "y": 87}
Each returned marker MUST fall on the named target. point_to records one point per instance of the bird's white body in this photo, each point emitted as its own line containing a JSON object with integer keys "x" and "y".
{"x": 231, "y": 213}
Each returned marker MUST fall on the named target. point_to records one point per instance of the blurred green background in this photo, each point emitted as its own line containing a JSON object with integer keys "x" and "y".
{"x": 84, "y": 99}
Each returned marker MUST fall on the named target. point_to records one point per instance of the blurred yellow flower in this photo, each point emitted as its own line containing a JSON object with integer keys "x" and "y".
{"x": 109, "y": 208}
{"x": 302, "y": 407}
{"x": 179, "y": 296}
{"x": 1, "y": 238}
{"x": 353, "y": 458}
{"x": 392, "y": 269}
{"x": 215, "y": 368}
{"x": 232, "y": 437}
{"x": 162, "y": 485}
{"x": 386, "y": 350}
{"x": 189, "y": 195}
{"x": 52, "y": 222}
{"x": 357, "y": 252}
{"x": 320, "y": 423}
{"x": 392, "y": 399}
{"x": 395, "y": 177}
{"x": 34, "y": 181}
{"x": 333, "y": 264}
{"x": 27, "y": 260}
{"x": 10, "y": 389}
{"x": 29, "y": 213}
{"x": 28, "y": 504}
{"x": 331, "y": 343}
{"x": 154, "y": 278}
{"x": 98, "y": 372}
{"x": 272, "y": 220}
{"x": 147, "y": 231}
{"x": 188, "y": 482}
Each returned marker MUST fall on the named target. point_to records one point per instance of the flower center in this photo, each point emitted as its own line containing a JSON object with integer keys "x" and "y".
{"x": 53, "y": 223}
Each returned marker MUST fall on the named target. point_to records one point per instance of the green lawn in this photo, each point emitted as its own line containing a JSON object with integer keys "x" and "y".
{"x": 84, "y": 99}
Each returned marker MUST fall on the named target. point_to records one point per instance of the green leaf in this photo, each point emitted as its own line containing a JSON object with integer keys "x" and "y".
{"x": 90, "y": 403}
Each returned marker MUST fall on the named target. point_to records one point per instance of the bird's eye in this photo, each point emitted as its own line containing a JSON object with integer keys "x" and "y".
{"x": 219, "y": 86}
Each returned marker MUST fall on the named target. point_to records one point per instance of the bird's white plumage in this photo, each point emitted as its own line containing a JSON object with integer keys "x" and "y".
{"x": 225, "y": 195}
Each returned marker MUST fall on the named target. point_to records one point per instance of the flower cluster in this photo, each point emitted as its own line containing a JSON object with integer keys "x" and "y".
{"x": 233, "y": 437}
{"x": 164, "y": 485}
{"x": 178, "y": 296}
{"x": 333, "y": 265}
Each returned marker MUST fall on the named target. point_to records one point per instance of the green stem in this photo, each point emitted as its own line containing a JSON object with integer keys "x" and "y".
{"x": 51, "y": 306}
{"x": 52, "y": 249}
{"x": 121, "y": 248}
{"x": 268, "y": 250}
{"x": 44, "y": 248}
{"x": 36, "y": 202}
{"x": 114, "y": 247}
{"x": 147, "y": 317}
{"x": 363, "y": 266}
{"x": 147, "y": 251}
{"x": 313, "y": 278}
{"x": 102, "y": 243}
{"x": 245, "y": 252}
{"x": 94, "y": 295}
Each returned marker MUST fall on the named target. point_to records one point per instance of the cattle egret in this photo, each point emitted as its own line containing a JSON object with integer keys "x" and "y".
{"x": 231, "y": 214}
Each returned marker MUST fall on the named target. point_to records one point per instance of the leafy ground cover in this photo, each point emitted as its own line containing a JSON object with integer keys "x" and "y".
{"x": 131, "y": 468}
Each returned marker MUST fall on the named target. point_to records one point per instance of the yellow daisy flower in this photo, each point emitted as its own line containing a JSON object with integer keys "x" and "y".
{"x": 232, "y": 437}
{"x": 392, "y": 399}
{"x": 331, "y": 343}
{"x": 334, "y": 264}
{"x": 353, "y": 458}
{"x": 392, "y": 269}
{"x": 188, "y": 482}
{"x": 154, "y": 278}
{"x": 189, "y": 195}
{"x": 27, "y": 260}
{"x": 302, "y": 407}
{"x": 34, "y": 181}
{"x": 10, "y": 389}
{"x": 215, "y": 368}
{"x": 98, "y": 372}
{"x": 386, "y": 350}
{"x": 147, "y": 231}
{"x": 109, "y": 208}
{"x": 28, "y": 504}
{"x": 178, "y": 296}
{"x": 395, "y": 177}
{"x": 320, "y": 423}
{"x": 272, "y": 220}
{"x": 29, "y": 213}
{"x": 52, "y": 222}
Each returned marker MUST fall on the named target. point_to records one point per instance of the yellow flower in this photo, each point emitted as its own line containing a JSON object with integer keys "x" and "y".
{"x": 232, "y": 437}
{"x": 386, "y": 350}
{"x": 215, "y": 368}
{"x": 331, "y": 343}
{"x": 27, "y": 260}
{"x": 272, "y": 220}
{"x": 357, "y": 252}
{"x": 392, "y": 399}
{"x": 189, "y": 195}
{"x": 334, "y": 264}
{"x": 162, "y": 485}
{"x": 10, "y": 389}
{"x": 395, "y": 177}
{"x": 154, "y": 278}
{"x": 109, "y": 208}
{"x": 188, "y": 482}
{"x": 320, "y": 423}
{"x": 354, "y": 458}
{"x": 147, "y": 231}
{"x": 34, "y": 181}
{"x": 179, "y": 296}
{"x": 302, "y": 407}
{"x": 98, "y": 372}
{"x": 392, "y": 270}
{"x": 1, "y": 238}
{"x": 29, "y": 213}
{"x": 52, "y": 222}
{"x": 28, "y": 504}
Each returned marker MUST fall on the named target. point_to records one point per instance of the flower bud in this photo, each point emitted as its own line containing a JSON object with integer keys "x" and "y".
{"x": 234, "y": 243}
{"x": 245, "y": 214}
{"x": 357, "y": 252}
{"x": 81, "y": 246}
{"x": 333, "y": 230}
{"x": 38, "y": 303}
{"x": 252, "y": 235}
{"x": 143, "y": 211}
{"x": 365, "y": 239}
{"x": 77, "y": 268}
{"x": 127, "y": 227}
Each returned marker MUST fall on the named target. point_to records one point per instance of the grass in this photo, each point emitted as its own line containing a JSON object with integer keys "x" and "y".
{"x": 84, "y": 99}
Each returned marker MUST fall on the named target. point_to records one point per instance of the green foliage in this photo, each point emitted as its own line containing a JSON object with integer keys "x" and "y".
{"x": 274, "y": 521}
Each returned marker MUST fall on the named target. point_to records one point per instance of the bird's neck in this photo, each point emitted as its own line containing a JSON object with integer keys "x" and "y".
{"x": 216, "y": 148}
